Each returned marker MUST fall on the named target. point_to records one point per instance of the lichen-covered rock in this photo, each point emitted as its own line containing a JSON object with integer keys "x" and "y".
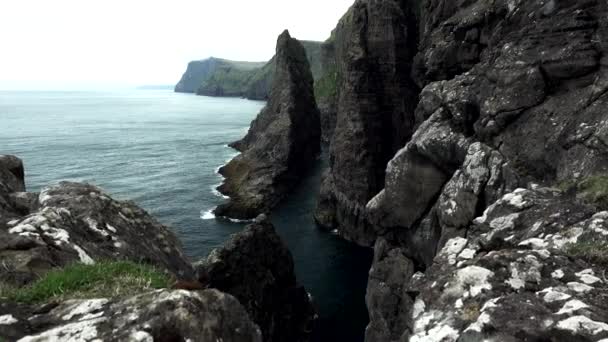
{"x": 282, "y": 143}
{"x": 256, "y": 267}
{"x": 518, "y": 275}
{"x": 374, "y": 46}
{"x": 163, "y": 315}
{"x": 72, "y": 222}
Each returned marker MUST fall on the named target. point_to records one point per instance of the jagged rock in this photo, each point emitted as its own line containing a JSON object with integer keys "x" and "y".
{"x": 163, "y": 315}
{"x": 71, "y": 222}
{"x": 516, "y": 276}
{"x": 282, "y": 142}
{"x": 374, "y": 46}
{"x": 256, "y": 267}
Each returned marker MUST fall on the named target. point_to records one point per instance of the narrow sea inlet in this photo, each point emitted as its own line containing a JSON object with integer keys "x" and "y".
{"x": 162, "y": 149}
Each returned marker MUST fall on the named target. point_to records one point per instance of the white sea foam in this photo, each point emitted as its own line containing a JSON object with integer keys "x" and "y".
{"x": 207, "y": 215}
{"x": 217, "y": 193}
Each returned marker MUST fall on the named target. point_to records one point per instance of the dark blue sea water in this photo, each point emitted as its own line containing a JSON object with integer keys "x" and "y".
{"x": 162, "y": 150}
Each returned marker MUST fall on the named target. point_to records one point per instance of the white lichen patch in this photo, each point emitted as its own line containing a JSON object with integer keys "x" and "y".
{"x": 579, "y": 288}
{"x": 426, "y": 330}
{"x": 588, "y": 277}
{"x": 467, "y": 254}
{"x": 582, "y": 324}
{"x": 141, "y": 336}
{"x": 84, "y": 257}
{"x": 572, "y": 306}
{"x": 516, "y": 199}
{"x": 534, "y": 243}
{"x": 478, "y": 325}
{"x": 551, "y": 295}
{"x": 524, "y": 270}
{"x": 94, "y": 227}
{"x": 84, "y": 307}
{"x": 504, "y": 222}
{"x": 557, "y": 274}
{"x": 472, "y": 280}
{"x": 452, "y": 248}
{"x": 8, "y": 320}
{"x": 419, "y": 307}
{"x": 79, "y": 331}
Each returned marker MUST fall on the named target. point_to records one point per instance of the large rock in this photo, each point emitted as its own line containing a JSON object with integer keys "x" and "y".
{"x": 375, "y": 46}
{"x": 72, "y": 222}
{"x": 527, "y": 270}
{"x": 163, "y": 315}
{"x": 215, "y": 74}
{"x": 283, "y": 142}
{"x": 256, "y": 267}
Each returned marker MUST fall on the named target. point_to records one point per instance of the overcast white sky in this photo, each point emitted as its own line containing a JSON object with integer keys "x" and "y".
{"x": 96, "y": 43}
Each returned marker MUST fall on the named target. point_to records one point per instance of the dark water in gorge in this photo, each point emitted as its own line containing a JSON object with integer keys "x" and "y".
{"x": 161, "y": 150}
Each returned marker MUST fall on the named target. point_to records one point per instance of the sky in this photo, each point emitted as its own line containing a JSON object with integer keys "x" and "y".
{"x": 56, "y": 44}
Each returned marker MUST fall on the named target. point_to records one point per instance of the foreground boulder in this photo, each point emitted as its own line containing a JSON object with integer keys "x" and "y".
{"x": 282, "y": 143}
{"x": 72, "y": 222}
{"x": 163, "y": 315}
{"x": 530, "y": 268}
{"x": 256, "y": 267}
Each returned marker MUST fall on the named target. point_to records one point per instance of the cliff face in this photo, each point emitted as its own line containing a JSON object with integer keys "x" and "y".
{"x": 447, "y": 112}
{"x": 375, "y": 111}
{"x": 215, "y": 71}
{"x": 282, "y": 142}
{"x": 252, "y": 80}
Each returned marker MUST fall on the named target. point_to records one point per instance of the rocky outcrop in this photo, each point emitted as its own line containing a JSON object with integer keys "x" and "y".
{"x": 163, "y": 315}
{"x": 78, "y": 223}
{"x": 72, "y": 222}
{"x": 215, "y": 71}
{"x": 528, "y": 269}
{"x": 282, "y": 142}
{"x": 375, "y": 46}
{"x": 256, "y": 267}
{"x": 326, "y": 90}
{"x": 485, "y": 97}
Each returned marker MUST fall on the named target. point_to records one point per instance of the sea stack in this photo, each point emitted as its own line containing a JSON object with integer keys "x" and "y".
{"x": 282, "y": 143}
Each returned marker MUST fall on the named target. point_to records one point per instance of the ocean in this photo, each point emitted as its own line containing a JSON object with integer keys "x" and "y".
{"x": 162, "y": 150}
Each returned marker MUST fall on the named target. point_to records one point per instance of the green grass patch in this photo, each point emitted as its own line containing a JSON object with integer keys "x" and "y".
{"x": 592, "y": 189}
{"x": 594, "y": 252}
{"x": 327, "y": 85}
{"x": 101, "y": 280}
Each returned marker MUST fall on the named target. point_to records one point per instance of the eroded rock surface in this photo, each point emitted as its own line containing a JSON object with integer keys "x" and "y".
{"x": 516, "y": 276}
{"x": 72, "y": 222}
{"x": 163, "y": 315}
{"x": 374, "y": 47}
{"x": 256, "y": 267}
{"x": 283, "y": 142}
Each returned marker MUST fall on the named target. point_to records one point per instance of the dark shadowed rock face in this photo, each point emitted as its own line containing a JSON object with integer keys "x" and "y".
{"x": 375, "y": 111}
{"x": 72, "y": 222}
{"x": 164, "y": 315}
{"x": 282, "y": 142}
{"x": 256, "y": 267}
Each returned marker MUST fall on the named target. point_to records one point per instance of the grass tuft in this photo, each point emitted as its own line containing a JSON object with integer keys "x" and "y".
{"x": 594, "y": 252}
{"x": 593, "y": 190}
{"x": 79, "y": 281}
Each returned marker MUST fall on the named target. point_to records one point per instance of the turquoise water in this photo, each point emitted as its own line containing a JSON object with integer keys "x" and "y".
{"x": 162, "y": 150}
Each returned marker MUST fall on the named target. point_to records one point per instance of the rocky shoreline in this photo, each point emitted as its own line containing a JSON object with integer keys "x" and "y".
{"x": 72, "y": 223}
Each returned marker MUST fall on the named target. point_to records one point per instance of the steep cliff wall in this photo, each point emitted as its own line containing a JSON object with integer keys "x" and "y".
{"x": 485, "y": 98}
{"x": 214, "y": 70}
{"x": 374, "y": 47}
{"x": 282, "y": 142}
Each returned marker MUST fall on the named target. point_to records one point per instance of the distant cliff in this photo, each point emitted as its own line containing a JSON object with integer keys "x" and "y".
{"x": 253, "y": 80}
{"x": 214, "y": 70}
